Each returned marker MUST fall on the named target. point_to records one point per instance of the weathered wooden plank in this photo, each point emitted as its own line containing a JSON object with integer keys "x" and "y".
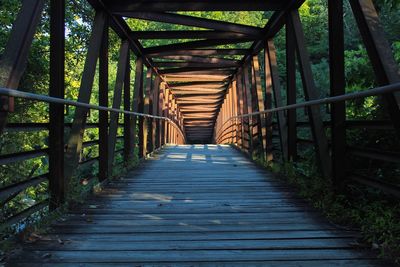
{"x": 255, "y": 263}
{"x": 196, "y": 255}
{"x": 329, "y": 243}
{"x": 216, "y": 218}
{"x": 199, "y": 235}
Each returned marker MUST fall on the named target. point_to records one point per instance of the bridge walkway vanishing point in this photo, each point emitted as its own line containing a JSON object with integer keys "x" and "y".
{"x": 194, "y": 205}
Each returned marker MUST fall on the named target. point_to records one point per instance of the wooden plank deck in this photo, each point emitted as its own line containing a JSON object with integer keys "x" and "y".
{"x": 195, "y": 205}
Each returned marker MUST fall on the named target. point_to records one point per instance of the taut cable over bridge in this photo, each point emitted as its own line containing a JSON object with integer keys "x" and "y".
{"x": 193, "y": 200}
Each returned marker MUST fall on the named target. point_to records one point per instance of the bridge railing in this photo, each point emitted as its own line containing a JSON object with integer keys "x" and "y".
{"x": 162, "y": 131}
{"x": 238, "y": 130}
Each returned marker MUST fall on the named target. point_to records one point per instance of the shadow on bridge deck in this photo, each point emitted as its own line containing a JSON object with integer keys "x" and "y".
{"x": 195, "y": 205}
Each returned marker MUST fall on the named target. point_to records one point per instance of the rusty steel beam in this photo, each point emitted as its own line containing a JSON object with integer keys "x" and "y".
{"x": 196, "y": 71}
{"x": 193, "y": 5}
{"x": 190, "y": 45}
{"x": 192, "y": 21}
{"x": 310, "y": 92}
{"x": 259, "y": 99}
{"x": 201, "y": 59}
{"x": 74, "y": 144}
{"x": 219, "y": 74}
{"x": 117, "y": 97}
{"x": 337, "y": 87}
{"x": 137, "y": 105}
{"x": 194, "y": 78}
{"x": 274, "y": 76}
{"x": 14, "y": 58}
{"x": 128, "y": 122}
{"x": 146, "y": 110}
{"x": 189, "y": 34}
{"x": 195, "y": 65}
{"x": 206, "y": 84}
{"x": 119, "y": 25}
{"x": 248, "y": 106}
{"x": 103, "y": 101}
{"x": 154, "y": 111}
{"x": 291, "y": 91}
{"x": 56, "y": 111}
{"x": 201, "y": 52}
{"x": 380, "y": 53}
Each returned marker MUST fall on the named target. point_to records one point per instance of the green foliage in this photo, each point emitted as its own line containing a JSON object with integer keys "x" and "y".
{"x": 376, "y": 215}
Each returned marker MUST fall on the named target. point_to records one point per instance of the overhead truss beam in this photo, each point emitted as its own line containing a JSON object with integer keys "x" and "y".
{"x": 194, "y": 5}
{"x": 192, "y": 21}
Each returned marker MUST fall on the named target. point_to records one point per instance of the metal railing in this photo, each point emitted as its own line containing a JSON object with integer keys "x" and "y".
{"x": 391, "y": 189}
{"x": 8, "y": 192}
{"x": 49, "y": 99}
{"x": 387, "y": 89}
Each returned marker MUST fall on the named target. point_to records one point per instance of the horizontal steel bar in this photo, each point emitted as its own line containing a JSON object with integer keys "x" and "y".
{"x": 89, "y": 160}
{"x": 20, "y": 156}
{"x": 370, "y": 124}
{"x": 43, "y": 126}
{"x": 12, "y": 189}
{"x": 194, "y": 5}
{"x": 387, "y": 188}
{"x": 90, "y": 143}
{"x": 25, "y": 213}
{"x": 370, "y": 153}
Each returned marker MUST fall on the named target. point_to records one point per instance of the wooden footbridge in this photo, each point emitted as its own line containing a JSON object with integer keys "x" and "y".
{"x": 197, "y": 114}
{"x": 195, "y": 205}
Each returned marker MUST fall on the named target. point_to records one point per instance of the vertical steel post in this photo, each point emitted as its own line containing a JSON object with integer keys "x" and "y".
{"x": 56, "y": 111}
{"x": 337, "y": 87}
